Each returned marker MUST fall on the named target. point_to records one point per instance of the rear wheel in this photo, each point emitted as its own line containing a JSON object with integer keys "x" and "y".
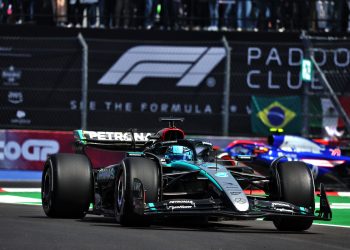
{"x": 131, "y": 172}
{"x": 67, "y": 186}
{"x": 294, "y": 184}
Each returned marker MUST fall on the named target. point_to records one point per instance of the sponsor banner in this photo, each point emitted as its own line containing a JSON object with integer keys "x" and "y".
{"x": 29, "y": 149}
{"x": 38, "y": 77}
{"x": 139, "y": 82}
{"x": 266, "y": 67}
{"x": 189, "y": 65}
{"x": 276, "y": 113}
{"x": 133, "y": 82}
{"x": 131, "y": 86}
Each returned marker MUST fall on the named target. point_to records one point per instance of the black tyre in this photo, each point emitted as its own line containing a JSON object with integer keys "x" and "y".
{"x": 138, "y": 169}
{"x": 67, "y": 186}
{"x": 295, "y": 185}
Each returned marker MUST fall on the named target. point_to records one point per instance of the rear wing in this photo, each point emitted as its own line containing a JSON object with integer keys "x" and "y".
{"x": 119, "y": 141}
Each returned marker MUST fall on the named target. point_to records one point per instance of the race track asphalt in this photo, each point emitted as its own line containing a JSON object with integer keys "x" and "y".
{"x": 27, "y": 227}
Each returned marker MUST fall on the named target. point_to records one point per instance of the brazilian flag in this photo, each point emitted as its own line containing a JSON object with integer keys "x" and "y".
{"x": 276, "y": 113}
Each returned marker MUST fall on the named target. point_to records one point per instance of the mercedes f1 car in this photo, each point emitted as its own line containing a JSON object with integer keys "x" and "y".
{"x": 326, "y": 162}
{"x": 166, "y": 175}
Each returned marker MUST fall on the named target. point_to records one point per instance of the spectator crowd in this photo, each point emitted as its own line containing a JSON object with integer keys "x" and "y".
{"x": 212, "y": 15}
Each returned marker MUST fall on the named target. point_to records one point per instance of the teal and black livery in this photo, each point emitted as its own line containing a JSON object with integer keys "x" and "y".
{"x": 165, "y": 175}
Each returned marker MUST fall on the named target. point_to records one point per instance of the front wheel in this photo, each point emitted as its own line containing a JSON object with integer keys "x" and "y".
{"x": 133, "y": 172}
{"x": 294, "y": 184}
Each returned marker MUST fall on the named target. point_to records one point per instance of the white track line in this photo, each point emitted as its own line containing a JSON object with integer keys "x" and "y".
{"x": 344, "y": 194}
{"x": 21, "y": 190}
{"x": 329, "y": 225}
{"x": 17, "y": 200}
{"x": 336, "y": 205}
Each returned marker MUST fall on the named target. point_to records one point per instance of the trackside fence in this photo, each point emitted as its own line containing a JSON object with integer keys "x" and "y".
{"x": 222, "y": 87}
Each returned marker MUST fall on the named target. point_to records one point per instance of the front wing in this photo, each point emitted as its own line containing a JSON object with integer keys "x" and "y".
{"x": 259, "y": 208}
{"x": 209, "y": 207}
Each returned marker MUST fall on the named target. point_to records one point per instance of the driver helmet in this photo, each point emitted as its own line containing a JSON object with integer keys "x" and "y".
{"x": 177, "y": 152}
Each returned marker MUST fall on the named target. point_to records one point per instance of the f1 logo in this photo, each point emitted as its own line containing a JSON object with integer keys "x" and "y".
{"x": 191, "y": 63}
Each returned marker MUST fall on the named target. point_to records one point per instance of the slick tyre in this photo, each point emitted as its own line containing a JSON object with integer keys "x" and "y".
{"x": 67, "y": 186}
{"x": 295, "y": 185}
{"x": 133, "y": 170}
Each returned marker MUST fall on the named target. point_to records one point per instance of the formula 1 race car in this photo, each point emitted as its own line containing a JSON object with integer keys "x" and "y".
{"x": 165, "y": 175}
{"x": 326, "y": 162}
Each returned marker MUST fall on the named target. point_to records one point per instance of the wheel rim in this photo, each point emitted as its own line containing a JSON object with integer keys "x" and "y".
{"x": 46, "y": 192}
{"x": 120, "y": 192}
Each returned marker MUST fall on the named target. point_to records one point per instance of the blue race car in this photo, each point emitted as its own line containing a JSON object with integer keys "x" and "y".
{"x": 326, "y": 162}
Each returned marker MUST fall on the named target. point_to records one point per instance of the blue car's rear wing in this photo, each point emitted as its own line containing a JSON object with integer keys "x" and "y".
{"x": 119, "y": 141}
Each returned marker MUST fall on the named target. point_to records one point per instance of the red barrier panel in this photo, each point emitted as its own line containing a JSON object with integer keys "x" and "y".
{"x": 28, "y": 149}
